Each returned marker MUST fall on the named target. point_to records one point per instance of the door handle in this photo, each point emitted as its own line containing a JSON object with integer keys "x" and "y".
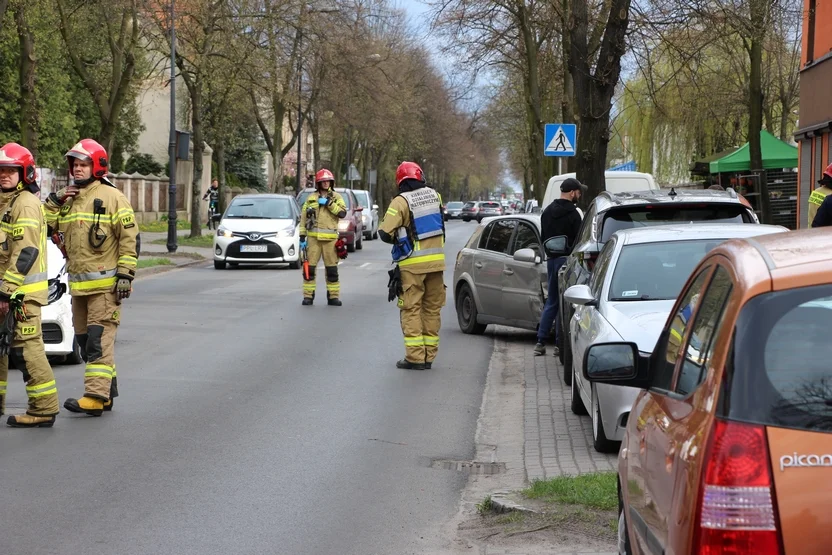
{"x": 508, "y": 272}
{"x": 477, "y": 264}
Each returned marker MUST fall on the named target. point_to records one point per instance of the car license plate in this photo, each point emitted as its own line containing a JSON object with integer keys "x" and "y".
{"x": 253, "y": 248}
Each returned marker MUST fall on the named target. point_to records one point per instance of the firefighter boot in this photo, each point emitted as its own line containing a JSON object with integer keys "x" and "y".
{"x": 86, "y": 405}
{"x": 405, "y": 364}
{"x": 307, "y": 301}
{"x": 29, "y": 421}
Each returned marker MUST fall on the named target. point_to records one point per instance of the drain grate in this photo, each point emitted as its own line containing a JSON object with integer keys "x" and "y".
{"x": 469, "y": 467}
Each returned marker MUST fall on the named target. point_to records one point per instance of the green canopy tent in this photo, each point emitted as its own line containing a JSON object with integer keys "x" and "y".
{"x": 776, "y": 155}
{"x": 703, "y": 165}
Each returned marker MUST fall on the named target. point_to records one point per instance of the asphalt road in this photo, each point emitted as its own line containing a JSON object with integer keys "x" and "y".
{"x": 248, "y": 424}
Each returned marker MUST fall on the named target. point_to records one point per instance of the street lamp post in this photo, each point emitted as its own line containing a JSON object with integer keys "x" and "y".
{"x": 172, "y": 238}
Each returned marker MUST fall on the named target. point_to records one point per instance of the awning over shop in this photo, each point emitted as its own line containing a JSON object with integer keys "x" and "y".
{"x": 703, "y": 166}
{"x": 776, "y": 155}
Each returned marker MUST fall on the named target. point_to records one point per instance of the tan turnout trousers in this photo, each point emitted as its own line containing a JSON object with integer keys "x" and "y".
{"x": 96, "y": 318}
{"x": 315, "y": 249}
{"x": 28, "y": 355}
{"x": 422, "y": 299}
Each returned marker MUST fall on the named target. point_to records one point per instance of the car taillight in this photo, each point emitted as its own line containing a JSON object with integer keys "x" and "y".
{"x": 736, "y": 505}
{"x": 474, "y": 209}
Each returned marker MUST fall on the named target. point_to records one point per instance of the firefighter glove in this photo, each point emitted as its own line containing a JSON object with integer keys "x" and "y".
{"x": 124, "y": 287}
{"x": 394, "y": 285}
{"x": 302, "y": 244}
{"x": 323, "y": 201}
{"x": 341, "y": 249}
{"x": 65, "y": 193}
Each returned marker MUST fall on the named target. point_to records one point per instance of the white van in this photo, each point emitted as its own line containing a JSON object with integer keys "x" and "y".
{"x": 617, "y": 182}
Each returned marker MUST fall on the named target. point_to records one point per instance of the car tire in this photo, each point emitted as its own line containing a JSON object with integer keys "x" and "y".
{"x": 577, "y": 404}
{"x": 294, "y": 265}
{"x": 75, "y": 356}
{"x": 567, "y": 361}
{"x": 623, "y": 535}
{"x": 375, "y": 235}
{"x": 599, "y": 436}
{"x": 219, "y": 265}
{"x": 466, "y": 312}
{"x": 479, "y": 220}
{"x": 559, "y": 334}
{"x": 351, "y": 246}
{"x": 359, "y": 244}
{"x": 466, "y": 220}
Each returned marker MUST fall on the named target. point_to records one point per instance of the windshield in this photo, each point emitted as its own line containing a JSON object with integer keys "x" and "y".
{"x": 656, "y": 271}
{"x": 454, "y": 205}
{"x": 261, "y": 208}
{"x": 778, "y": 372}
{"x": 346, "y": 196}
{"x": 646, "y": 216}
{"x": 362, "y": 197}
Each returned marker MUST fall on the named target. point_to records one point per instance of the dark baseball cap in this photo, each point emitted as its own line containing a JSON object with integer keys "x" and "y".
{"x": 571, "y": 184}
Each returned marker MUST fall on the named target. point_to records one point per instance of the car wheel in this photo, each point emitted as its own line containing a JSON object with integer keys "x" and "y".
{"x": 375, "y": 234}
{"x": 351, "y": 246}
{"x": 466, "y": 312}
{"x": 219, "y": 265}
{"x": 359, "y": 244}
{"x": 466, "y": 220}
{"x": 567, "y": 361}
{"x": 75, "y": 356}
{"x": 479, "y": 220}
{"x": 294, "y": 265}
{"x": 577, "y": 404}
{"x": 599, "y": 436}
{"x": 623, "y": 536}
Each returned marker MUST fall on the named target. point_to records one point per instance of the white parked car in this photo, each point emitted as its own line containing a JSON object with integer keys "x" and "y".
{"x": 56, "y": 317}
{"x": 638, "y": 275}
{"x": 258, "y": 229}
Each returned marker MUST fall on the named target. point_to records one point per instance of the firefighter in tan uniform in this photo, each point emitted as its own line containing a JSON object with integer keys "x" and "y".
{"x": 319, "y": 217}
{"x": 99, "y": 233}
{"x": 413, "y": 225}
{"x": 23, "y": 271}
{"x": 816, "y": 200}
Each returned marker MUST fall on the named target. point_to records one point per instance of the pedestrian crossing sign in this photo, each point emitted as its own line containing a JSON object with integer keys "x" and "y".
{"x": 559, "y": 139}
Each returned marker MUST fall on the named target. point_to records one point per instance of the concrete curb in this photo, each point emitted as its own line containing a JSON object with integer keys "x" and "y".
{"x": 506, "y": 502}
{"x": 147, "y": 272}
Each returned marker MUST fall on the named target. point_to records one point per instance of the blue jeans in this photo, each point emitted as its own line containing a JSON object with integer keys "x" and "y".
{"x": 550, "y": 310}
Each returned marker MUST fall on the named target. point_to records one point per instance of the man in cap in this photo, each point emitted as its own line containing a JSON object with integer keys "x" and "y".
{"x": 559, "y": 218}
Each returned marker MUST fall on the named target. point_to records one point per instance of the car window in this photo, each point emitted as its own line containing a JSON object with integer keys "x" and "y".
{"x": 454, "y": 205}
{"x": 601, "y": 267}
{"x": 489, "y": 205}
{"x": 485, "y": 233}
{"x": 363, "y": 198}
{"x": 303, "y": 196}
{"x": 469, "y": 205}
{"x": 585, "y": 233}
{"x": 666, "y": 359}
{"x": 347, "y": 196}
{"x": 526, "y": 238}
{"x": 260, "y": 208}
{"x": 630, "y": 217}
{"x": 500, "y": 236}
{"x": 656, "y": 271}
{"x": 701, "y": 345}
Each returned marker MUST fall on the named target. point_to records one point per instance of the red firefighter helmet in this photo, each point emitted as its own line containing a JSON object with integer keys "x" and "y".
{"x": 90, "y": 151}
{"x": 14, "y": 155}
{"x": 409, "y": 170}
{"x": 827, "y": 175}
{"x": 324, "y": 175}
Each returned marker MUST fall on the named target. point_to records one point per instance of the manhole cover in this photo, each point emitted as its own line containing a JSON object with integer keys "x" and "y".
{"x": 469, "y": 467}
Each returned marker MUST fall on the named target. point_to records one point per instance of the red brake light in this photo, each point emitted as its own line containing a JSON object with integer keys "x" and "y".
{"x": 736, "y": 505}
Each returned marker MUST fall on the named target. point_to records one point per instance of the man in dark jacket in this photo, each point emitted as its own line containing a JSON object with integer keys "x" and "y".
{"x": 559, "y": 218}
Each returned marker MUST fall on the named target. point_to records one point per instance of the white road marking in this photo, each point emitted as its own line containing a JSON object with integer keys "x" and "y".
{"x": 364, "y": 265}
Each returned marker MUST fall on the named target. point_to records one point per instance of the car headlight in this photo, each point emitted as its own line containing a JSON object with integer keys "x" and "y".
{"x": 366, "y": 219}
{"x": 288, "y": 232}
{"x": 344, "y": 225}
{"x": 222, "y": 232}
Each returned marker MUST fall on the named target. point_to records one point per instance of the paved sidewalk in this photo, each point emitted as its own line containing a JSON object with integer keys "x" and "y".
{"x": 149, "y": 247}
{"x": 557, "y": 442}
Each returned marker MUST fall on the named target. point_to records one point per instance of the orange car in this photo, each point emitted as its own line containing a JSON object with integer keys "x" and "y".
{"x": 728, "y": 448}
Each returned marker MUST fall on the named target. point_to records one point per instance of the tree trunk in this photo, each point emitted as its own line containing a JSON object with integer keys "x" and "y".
{"x": 3, "y": 5}
{"x": 535, "y": 115}
{"x": 220, "y": 151}
{"x": 755, "y": 104}
{"x": 315, "y": 127}
{"x": 196, "y": 129}
{"x": 28, "y": 68}
{"x": 785, "y": 119}
{"x": 568, "y": 100}
{"x": 592, "y": 158}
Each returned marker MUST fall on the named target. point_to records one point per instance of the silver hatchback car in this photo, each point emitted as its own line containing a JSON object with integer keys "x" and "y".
{"x": 500, "y": 275}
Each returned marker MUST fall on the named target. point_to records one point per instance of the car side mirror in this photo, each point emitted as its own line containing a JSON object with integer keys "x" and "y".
{"x": 527, "y": 255}
{"x": 580, "y": 295}
{"x": 616, "y": 364}
{"x": 556, "y": 247}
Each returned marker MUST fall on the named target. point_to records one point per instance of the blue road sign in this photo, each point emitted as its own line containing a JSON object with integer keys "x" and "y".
{"x": 560, "y": 139}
